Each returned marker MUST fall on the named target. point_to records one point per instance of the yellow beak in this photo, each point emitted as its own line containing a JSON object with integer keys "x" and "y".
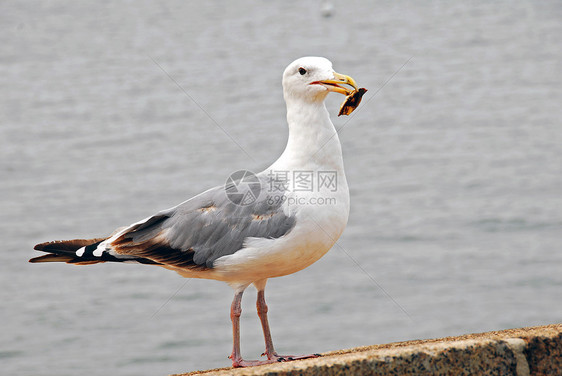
{"x": 334, "y": 85}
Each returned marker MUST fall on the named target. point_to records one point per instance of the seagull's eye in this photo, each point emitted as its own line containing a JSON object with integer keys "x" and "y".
{"x": 302, "y": 71}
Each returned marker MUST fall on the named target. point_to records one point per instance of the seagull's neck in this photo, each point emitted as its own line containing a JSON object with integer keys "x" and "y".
{"x": 313, "y": 142}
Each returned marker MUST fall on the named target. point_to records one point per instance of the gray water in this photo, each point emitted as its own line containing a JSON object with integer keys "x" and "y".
{"x": 453, "y": 159}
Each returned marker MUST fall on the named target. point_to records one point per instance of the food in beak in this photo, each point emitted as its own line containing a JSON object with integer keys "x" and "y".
{"x": 352, "y": 101}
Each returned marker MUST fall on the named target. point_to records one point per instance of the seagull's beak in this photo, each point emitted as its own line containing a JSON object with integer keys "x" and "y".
{"x": 334, "y": 84}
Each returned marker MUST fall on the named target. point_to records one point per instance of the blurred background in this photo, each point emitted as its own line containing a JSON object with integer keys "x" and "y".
{"x": 453, "y": 159}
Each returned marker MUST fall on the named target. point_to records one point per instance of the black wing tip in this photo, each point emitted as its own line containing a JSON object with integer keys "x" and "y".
{"x": 41, "y": 246}
{"x": 55, "y": 244}
{"x": 66, "y": 246}
{"x": 51, "y": 257}
{"x": 64, "y": 250}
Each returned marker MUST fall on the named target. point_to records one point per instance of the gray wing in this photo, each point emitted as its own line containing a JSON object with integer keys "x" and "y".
{"x": 213, "y": 224}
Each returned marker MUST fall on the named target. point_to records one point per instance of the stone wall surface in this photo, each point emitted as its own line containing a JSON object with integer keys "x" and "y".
{"x": 520, "y": 352}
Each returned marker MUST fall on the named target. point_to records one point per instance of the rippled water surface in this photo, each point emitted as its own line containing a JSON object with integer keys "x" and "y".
{"x": 453, "y": 159}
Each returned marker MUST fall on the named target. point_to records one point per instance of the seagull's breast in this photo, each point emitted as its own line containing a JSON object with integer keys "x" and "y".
{"x": 321, "y": 216}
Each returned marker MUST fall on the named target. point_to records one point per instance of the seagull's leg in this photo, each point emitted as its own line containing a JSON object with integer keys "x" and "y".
{"x": 262, "y": 313}
{"x": 236, "y": 356}
{"x": 235, "y": 312}
{"x": 269, "y": 349}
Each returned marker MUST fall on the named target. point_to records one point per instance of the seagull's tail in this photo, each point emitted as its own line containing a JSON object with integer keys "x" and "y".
{"x": 65, "y": 251}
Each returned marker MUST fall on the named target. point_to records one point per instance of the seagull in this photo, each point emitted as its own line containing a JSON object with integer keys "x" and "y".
{"x": 255, "y": 226}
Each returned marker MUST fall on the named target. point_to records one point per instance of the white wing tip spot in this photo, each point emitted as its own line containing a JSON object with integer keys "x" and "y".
{"x": 98, "y": 251}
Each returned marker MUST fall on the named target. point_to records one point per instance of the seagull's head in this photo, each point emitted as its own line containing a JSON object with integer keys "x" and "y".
{"x": 310, "y": 79}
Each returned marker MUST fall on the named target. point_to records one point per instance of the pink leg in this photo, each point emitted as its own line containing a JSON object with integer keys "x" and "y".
{"x": 262, "y": 313}
{"x": 235, "y": 312}
{"x": 269, "y": 349}
{"x": 272, "y": 356}
{"x": 236, "y": 356}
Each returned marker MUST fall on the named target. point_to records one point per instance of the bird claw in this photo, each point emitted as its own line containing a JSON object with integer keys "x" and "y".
{"x": 239, "y": 362}
{"x": 288, "y": 358}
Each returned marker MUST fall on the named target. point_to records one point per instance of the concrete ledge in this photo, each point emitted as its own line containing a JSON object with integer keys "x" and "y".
{"x": 525, "y": 351}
